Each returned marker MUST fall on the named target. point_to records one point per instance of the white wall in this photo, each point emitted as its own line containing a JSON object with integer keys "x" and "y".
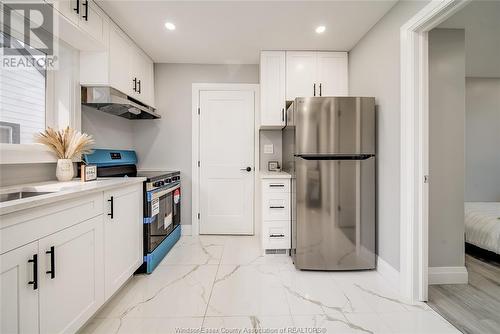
{"x": 446, "y": 147}
{"x": 165, "y": 144}
{"x": 482, "y": 138}
{"x": 374, "y": 70}
{"x": 268, "y": 137}
{"x": 109, "y": 131}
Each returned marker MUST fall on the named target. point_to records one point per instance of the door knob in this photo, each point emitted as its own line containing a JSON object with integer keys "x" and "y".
{"x": 248, "y": 169}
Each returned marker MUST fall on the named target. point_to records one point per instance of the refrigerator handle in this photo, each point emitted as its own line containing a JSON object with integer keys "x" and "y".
{"x": 335, "y": 156}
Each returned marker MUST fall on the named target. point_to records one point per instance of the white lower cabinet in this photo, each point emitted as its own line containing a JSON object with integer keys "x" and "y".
{"x": 60, "y": 262}
{"x": 71, "y": 276}
{"x": 123, "y": 221}
{"x": 19, "y": 294}
{"x": 276, "y": 214}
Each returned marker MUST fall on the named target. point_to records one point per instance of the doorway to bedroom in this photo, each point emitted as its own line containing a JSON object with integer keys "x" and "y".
{"x": 464, "y": 168}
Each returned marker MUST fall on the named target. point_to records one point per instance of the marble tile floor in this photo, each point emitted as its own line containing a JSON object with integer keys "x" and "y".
{"x": 223, "y": 284}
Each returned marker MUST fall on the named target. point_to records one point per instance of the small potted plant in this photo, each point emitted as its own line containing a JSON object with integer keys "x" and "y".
{"x": 66, "y": 145}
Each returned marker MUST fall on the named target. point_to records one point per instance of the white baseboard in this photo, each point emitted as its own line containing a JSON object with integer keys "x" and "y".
{"x": 186, "y": 229}
{"x": 387, "y": 271}
{"x": 448, "y": 275}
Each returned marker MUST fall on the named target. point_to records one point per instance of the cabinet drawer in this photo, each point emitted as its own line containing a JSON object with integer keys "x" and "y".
{"x": 276, "y": 235}
{"x": 276, "y": 206}
{"x": 22, "y": 227}
{"x": 276, "y": 186}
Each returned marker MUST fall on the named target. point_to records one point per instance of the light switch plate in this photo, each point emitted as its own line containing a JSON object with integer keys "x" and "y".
{"x": 268, "y": 148}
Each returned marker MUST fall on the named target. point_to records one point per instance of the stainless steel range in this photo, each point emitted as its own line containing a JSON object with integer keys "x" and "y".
{"x": 162, "y": 201}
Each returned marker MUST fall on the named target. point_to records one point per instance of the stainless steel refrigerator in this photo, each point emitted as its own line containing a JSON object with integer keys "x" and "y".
{"x": 329, "y": 149}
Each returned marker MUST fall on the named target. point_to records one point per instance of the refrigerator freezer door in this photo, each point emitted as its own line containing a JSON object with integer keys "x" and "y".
{"x": 334, "y": 125}
{"x": 333, "y": 214}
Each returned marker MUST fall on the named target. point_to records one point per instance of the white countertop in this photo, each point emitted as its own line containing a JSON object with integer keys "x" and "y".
{"x": 274, "y": 175}
{"x": 60, "y": 191}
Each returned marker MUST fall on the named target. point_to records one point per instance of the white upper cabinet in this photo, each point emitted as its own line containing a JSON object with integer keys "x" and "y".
{"x": 120, "y": 58}
{"x": 84, "y": 14}
{"x": 286, "y": 75}
{"x": 272, "y": 86}
{"x": 124, "y": 67}
{"x": 300, "y": 74}
{"x": 316, "y": 74}
{"x": 332, "y": 74}
{"x": 92, "y": 19}
{"x": 19, "y": 290}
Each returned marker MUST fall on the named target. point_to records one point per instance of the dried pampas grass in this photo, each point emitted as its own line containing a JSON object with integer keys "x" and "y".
{"x": 67, "y": 143}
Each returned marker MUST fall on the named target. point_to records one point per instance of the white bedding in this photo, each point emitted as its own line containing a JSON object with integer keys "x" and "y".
{"x": 482, "y": 225}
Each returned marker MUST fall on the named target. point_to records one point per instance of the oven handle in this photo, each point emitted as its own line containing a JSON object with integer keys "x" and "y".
{"x": 160, "y": 193}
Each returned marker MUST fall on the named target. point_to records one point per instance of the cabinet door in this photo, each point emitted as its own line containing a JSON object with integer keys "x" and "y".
{"x": 150, "y": 80}
{"x": 300, "y": 74}
{"x": 92, "y": 20}
{"x": 272, "y": 88}
{"x": 19, "y": 302}
{"x": 120, "y": 62}
{"x": 69, "y": 9}
{"x": 332, "y": 74}
{"x": 140, "y": 73}
{"x": 76, "y": 290}
{"x": 123, "y": 231}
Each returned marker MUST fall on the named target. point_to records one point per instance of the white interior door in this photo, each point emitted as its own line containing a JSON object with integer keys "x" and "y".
{"x": 226, "y": 150}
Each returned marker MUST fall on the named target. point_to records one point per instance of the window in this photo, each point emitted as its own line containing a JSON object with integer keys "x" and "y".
{"x": 23, "y": 100}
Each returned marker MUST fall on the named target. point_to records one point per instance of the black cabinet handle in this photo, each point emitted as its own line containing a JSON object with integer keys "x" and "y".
{"x": 276, "y": 235}
{"x": 135, "y": 84}
{"x": 111, "y": 201}
{"x": 86, "y": 5}
{"x": 276, "y": 185}
{"x": 52, "y": 270}
{"x": 77, "y": 8}
{"x": 34, "y": 282}
{"x": 319, "y": 89}
{"x": 139, "y": 86}
{"x": 314, "y": 89}
{"x": 248, "y": 169}
{"x": 276, "y": 207}
{"x": 282, "y": 114}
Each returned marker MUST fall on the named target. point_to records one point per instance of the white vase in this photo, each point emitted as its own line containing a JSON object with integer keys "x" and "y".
{"x": 64, "y": 170}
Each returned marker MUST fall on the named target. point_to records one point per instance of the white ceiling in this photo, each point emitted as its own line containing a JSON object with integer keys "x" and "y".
{"x": 220, "y": 32}
{"x": 481, "y": 21}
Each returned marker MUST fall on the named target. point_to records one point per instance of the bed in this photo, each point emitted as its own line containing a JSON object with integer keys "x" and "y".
{"x": 482, "y": 225}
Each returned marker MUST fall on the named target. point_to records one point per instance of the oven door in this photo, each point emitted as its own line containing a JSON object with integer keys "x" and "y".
{"x": 164, "y": 216}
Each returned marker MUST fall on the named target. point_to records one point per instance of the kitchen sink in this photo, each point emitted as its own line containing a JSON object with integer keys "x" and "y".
{"x": 21, "y": 194}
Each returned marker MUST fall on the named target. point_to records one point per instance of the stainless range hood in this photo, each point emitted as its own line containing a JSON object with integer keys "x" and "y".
{"x": 112, "y": 101}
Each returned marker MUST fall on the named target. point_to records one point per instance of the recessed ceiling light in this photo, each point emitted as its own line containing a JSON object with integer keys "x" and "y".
{"x": 320, "y": 29}
{"x": 170, "y": 26}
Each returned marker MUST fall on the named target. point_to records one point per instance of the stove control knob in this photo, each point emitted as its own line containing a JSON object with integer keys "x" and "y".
{"x": 168, "y": 180}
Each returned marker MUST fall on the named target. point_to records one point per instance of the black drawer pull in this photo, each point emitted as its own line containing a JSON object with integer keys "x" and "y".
{"x": 276, "y": 207}
{"x": 77, "y": 8}
{"x": 276, "y": 185}
{"x": 111, "y": 213}
{"x": 276, "y": 235}
{"x": 86, "y": 5}
{"x": 52, "y": 270}
{"x": 34, "y": 282}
